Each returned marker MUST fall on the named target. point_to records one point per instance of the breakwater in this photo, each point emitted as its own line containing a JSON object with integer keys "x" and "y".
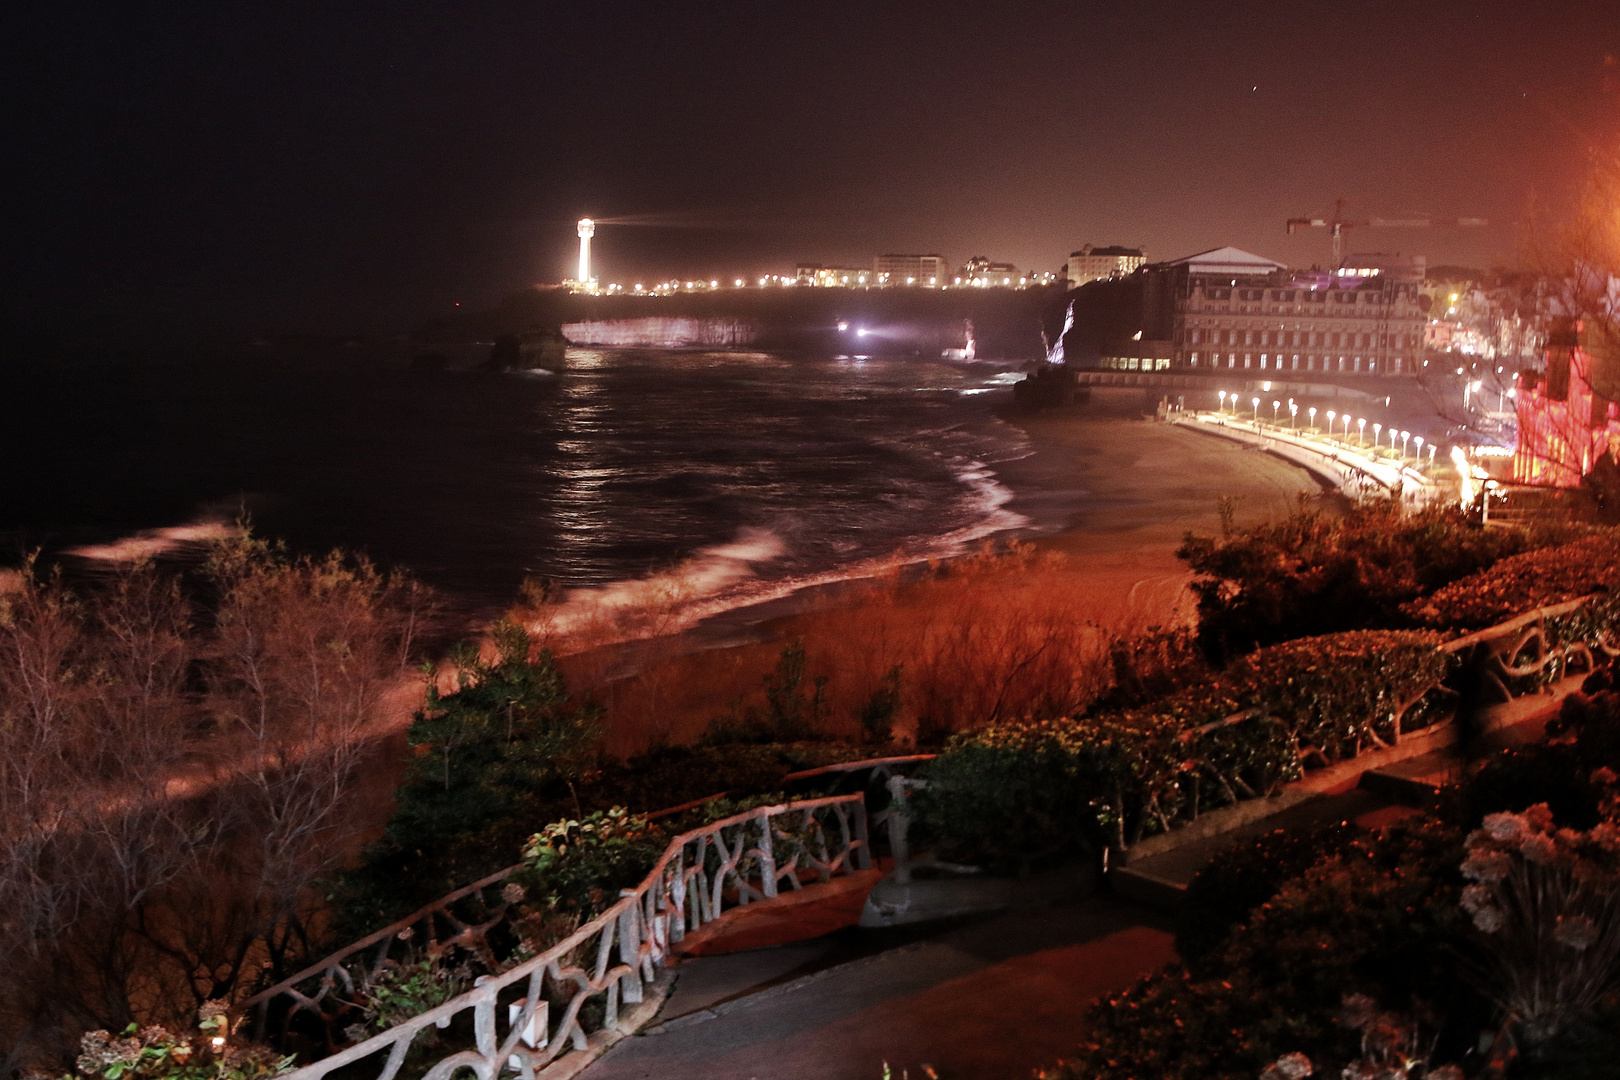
{"x": 1006, "y": 323}
{"x": 664, "y": 332}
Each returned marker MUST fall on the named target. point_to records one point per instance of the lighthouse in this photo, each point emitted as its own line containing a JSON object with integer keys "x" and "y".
{"x": 587, "y": 229}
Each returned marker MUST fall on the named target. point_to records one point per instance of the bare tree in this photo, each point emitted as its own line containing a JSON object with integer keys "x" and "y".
{"x": 174, "y": 780}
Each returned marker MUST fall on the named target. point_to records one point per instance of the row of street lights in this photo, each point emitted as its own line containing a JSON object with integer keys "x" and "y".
{"x": 1408, "y": 440}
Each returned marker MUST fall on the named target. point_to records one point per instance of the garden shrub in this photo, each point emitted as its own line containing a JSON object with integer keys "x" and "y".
{"x": 156, "y": 1053}
{"x": 1313, "y": 574}
{"x": 1017, "y": 792}
{"x": 579, "y": 865}
{"x": 489, "y": 759}
{"x": 1245, "y": 875}
{"x": 397, "y": 880}
{"x": 1379, "y": 919}
{"x": 1584, "y": 738}
{"x": 1524, "y": 582}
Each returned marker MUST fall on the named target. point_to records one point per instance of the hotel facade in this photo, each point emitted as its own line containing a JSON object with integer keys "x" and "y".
{"x": 1229, "y": 310}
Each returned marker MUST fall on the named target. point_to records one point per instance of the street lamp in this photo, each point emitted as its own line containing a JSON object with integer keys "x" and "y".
{"x": 1376, "y": 429}
{"x": 1293, "y": 414}
{"x": 1312, "y": 411}
{"x": 1275, "y": 405}
{"x": 1256, "y": 403}
{"x": 1417, "y": 441}
{"x": 1361, "y": 432}
{"x": 1330, "y": 415}
{"x": 1346, "y": 419}
{"x": 1223, "y": 401}
{"x": 1405, "y": 435}
{"x": 1431, "y": 455}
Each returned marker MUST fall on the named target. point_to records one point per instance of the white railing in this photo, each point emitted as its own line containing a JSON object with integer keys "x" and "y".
{"x": 726, "y": 864}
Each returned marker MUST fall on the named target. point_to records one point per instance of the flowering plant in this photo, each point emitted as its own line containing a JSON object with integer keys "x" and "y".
{"x": 157, "y": 1053}
{"x": 396, "y": 990}
{"x": 575, "y": 865}
{"x": 1546, "y": 902}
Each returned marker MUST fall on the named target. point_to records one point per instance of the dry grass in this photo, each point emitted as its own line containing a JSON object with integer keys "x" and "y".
{"x": 989, "y": 637}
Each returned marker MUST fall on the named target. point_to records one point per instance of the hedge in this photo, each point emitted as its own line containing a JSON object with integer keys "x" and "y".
{"x": 1524, "y": 582}
{"x": 1015, "y": 792}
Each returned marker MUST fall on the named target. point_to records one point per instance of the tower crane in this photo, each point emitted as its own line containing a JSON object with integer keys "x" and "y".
{"x": 1338, "y": 223}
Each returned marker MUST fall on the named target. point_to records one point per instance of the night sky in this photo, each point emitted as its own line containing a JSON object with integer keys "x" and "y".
{"x": 361, "y": 165}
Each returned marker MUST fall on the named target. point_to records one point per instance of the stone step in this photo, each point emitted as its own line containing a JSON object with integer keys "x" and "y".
{"x": 1161, "y": 880}
{"x": 1415, "y": 781}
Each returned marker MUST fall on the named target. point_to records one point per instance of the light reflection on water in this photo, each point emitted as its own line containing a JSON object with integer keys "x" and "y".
{"x": 767, "y": 469}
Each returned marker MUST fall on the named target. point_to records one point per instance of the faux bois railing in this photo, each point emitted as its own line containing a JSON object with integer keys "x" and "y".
{"x": 508, "y": 1016}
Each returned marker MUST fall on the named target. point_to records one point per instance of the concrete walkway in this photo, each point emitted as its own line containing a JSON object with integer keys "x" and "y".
{"x": 989, "y": 998}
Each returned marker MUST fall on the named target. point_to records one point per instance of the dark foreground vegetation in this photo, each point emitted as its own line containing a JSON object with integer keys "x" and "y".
{"x": 183, "y": 756}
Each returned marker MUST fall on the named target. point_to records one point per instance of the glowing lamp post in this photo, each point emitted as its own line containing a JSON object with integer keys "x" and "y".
{"x": 1431, "y": 455}
{"x": 1331, "y": 415}
{"x": 1223, "y": 401}
{"x": 1275, "y": 405}
{"x": 1293, "y": 416}
{"x": 1361, "y": 432}
{"x": 1312, "y": 411}
{"x": 1346, "y": 419}
{"x": 1256, "y": 403}
{"x": 1405, "y": 436}
{"x": 1377, "y": 428}
{"x": 1417, "y": 442}
{"x": 587, "y": 229}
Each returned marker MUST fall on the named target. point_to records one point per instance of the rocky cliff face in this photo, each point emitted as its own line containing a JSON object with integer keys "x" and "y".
{"x": 662, "y": 332}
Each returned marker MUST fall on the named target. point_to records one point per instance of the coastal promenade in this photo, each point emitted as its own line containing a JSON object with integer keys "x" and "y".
{"x": 1344, "y": 464}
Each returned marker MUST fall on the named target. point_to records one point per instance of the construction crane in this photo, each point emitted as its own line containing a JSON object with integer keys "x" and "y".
{"x": 1338, "y": 223}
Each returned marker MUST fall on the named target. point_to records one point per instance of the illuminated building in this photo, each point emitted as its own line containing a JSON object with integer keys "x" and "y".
{"x": 915, "y": 271}
{"x": 1230, "y": 310}
{"x": 832, "y": 277}
{"x": 587, "y": 229}
{"x": 1566, "y": 424}
{"x": 1235, "y": 311}
{"x": 981, "y": 273}
{"x": 1102, "y": 264}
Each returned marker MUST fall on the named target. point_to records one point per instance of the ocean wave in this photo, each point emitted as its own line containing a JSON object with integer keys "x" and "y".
{"x": 728, "y": 577}
{"x": 153, "y": 543}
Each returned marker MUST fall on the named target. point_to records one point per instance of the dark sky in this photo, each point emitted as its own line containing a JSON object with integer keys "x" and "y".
{"x": 358, "y": 165}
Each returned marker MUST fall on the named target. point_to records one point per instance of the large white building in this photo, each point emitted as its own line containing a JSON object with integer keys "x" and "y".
{"x": 916, "y": 271}
{"x": 833, "y": 277}
{"x": 1230, "y": 310}
{"x": 1103, "y": 264}
{"x": 1237, "y": 311}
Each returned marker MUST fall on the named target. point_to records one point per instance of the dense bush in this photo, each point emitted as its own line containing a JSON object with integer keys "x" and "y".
{"x": 1388, "y": 917}
{"x": 503, "y": 781}
{"x": 1016, "y": 792}
{"x": 1524, "y": 582}
{"x": 1380, "y": 920}
{"x": 1314, "y": 574}
{"x": 1584, "y": 738}
{"x": 489, "y": 759}
{"x": 1245, "y": 875}
{"x": 579, "y": 865}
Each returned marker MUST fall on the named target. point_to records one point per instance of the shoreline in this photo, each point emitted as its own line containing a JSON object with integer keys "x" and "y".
{"x": 1107, "y": 496}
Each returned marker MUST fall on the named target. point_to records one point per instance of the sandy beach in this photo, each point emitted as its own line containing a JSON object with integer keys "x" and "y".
{"x": 1109, "y": 496}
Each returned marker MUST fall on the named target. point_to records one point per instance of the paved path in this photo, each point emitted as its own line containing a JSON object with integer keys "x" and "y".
{"x": 990, "y": 998}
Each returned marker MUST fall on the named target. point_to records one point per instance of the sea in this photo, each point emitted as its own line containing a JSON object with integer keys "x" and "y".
{"x": 733, "y": 478}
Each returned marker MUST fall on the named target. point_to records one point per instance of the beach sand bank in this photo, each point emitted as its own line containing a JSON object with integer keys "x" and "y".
{"x": 1109, "y": 496}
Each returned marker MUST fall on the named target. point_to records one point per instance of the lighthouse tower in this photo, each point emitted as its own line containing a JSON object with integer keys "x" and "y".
{"x": 587, "y": 229}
